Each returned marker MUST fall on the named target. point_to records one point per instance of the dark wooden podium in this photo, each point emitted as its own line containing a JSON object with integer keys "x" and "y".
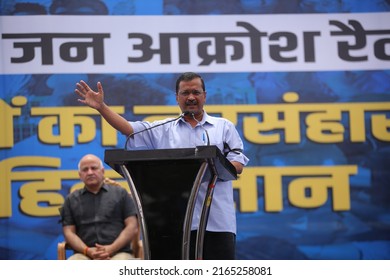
{"x": 164, "y": 184}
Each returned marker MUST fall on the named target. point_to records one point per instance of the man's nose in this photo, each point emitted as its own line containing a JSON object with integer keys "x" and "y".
{"x": 191, "y": 96}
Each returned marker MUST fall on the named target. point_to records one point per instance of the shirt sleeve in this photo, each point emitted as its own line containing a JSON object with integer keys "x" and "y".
{"x": 142, "y": 140}
{"x": 234, "y": 146}
{"x": 66, "y": 213}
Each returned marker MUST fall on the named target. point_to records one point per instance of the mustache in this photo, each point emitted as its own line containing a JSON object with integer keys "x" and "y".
{"x": 191, "y": 102}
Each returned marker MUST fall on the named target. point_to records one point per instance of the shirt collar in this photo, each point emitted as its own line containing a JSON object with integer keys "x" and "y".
{"x": 104, "y": 187}
{"x": 205, "y": 119}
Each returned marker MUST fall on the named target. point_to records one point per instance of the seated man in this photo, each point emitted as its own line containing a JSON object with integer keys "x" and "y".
{"x": 99, "y": 221}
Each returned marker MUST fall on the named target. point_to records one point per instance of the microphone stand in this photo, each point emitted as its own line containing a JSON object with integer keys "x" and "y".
{"x": 134, "y": 133}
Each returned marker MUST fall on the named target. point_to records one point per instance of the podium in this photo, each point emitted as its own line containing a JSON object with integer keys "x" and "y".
{"x": 164, "y": 184}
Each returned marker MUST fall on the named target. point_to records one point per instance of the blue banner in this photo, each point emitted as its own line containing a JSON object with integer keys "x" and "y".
{"x": 307, "y": 84}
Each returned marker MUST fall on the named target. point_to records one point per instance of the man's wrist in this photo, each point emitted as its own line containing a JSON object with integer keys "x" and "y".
{"x": 85, "y": 251}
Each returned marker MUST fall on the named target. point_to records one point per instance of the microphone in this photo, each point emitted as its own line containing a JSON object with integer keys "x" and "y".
{"x": 205, "y": 130}
{"x": 185, "y": 113}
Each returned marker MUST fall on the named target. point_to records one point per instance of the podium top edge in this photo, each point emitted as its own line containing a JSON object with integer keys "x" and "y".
{"x": 120, "y": 156}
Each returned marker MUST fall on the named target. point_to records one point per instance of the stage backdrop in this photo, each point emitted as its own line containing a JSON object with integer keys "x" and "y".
{"x": 306, "y": 83}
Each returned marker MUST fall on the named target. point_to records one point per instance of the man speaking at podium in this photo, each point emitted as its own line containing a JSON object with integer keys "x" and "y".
{"x": 194, "y": 127}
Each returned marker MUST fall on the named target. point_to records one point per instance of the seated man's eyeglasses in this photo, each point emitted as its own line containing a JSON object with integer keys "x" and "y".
{"x": 188, "y": 92}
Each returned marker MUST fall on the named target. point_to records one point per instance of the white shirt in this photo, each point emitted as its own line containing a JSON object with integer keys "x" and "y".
{"x": 180, "y": 134}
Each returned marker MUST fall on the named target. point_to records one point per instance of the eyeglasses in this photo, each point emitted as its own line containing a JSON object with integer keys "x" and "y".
{"x": 188, "y": 92}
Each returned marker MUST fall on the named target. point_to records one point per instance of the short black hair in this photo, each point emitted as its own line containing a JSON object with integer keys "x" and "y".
{"x": 189, "y": 76}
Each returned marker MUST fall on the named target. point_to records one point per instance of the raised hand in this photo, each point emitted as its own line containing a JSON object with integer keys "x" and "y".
{"x": 89, "y": 97}
{"x": 95, "y": 100}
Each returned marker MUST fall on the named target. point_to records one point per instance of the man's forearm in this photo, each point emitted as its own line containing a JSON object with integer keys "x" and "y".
{"x": 115, "y": 120}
